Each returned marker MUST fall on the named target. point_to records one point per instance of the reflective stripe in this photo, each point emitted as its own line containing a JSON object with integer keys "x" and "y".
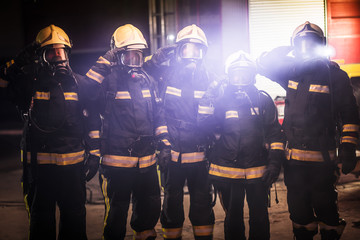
{"x": 199, "y": 94}
{"x": 277, "y": 146}
{"x": 174, "y": 156}
{"x": 147, "y": 58}
{"x": 146, "y": 93}
{"x": 349, "y": 139}
{"x": 293, "y": 84}
{"x": 128, "y": 161}
{"x": 306, "y": 155}
{"x": 192, "y": 157}
{"x": 173, "y": 91}
{"x": 71, "y": 96}
{"x": 3, "y": 83}
{"x": 205, "y": 110}
{"x": 160, "y": 130}
{"x": 104, "y": 187}
{"x": 171, "y": 233}
{"x": 350, "y": 128}
{"x": 319, "y": 88}
{"x": 95, "y": 152}
{"x": 254, "y": 111}
{"x": 237, "y": 173}
{"x": 9, "y": 63}
{"x": 203, "y": 230}
{"x": 144, "y": 234}
{"x": 231, "y": 114}
{"x": 103, "y": 60}
{"x": 94, "y": 134}
{"x": 58, "y": 158}
{"x": 166, "y": 142}
{"x": 95, "y": 76}
{"x": 123, "y": 95}
{"x": 42, "y": 95}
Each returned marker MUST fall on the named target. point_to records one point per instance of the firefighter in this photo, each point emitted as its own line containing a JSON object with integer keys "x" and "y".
{"x": 131, "y": 125}
{"x": 52, "y": 100}
{"x": 319, "y": 102}
{"x": 182, "y": 82}
{"x": 249, "y": 152}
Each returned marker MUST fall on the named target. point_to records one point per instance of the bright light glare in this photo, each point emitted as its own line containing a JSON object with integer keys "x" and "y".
{"x": 170, "y": 37}
{"x": 272, "y": 88}
{"x": 325, "y": 51}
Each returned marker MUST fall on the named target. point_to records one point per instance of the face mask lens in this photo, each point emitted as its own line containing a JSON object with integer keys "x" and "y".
{"x": 307, "y": 47}
{"x": 238, "y": 77}
{"x": 53, "y": 55}
{"x": 191, "y": 51}
{"x": 132, "y": 58}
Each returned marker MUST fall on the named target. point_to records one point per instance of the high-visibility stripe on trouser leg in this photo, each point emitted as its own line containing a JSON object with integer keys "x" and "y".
{"x": 144, "y": 234}
{"x": 172, "y": 233}
{"x": 206, "y": 230}
{"x": 104, "y": 186}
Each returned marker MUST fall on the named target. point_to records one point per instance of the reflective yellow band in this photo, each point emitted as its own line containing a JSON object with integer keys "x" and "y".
{"x": 310, "y": 227}
{"x": 166, "y": 142}
{"x": 104, "y": 187}
{"x": 350, "y": 128}
{"x": 231, "y": 114}
{"x": 171, "y": 233}
{"x": 42, "y": 95}
{"x": 71, "y": 96}
{"x": 3, "y": 83}
{"x": 9, "y": 63}
{"x": 128, "y": 161}
{"x": 188, "y": 157}
{"x": 144, "y": 234}
{"x": 95, "y": 152}
{"x": 237, "y": 173}
{"x": 95, "y": 76}
{"x": 205, "y": 110}
{"x": 255, "y": 111}
{"x": 160, "y": 130}
{"x": 146, "y": 93}
{"x": 173, "y": 91}
{"x": 147, "y": 58}
{"x": 203, "y": 230}
{"x": 306, "y": 155}
{"x": 319, "y": 88}
{"x": 94, "y": 134}
{"x": 293, "y": 84}
{"x": 58, "y": 158}
{"x": 103, "y": 60}
{"x": 174, "y": 156}
{"x": 123, "y": 95}
{"x": 199, "y": 94}
{"x": 349, "y": 139}
{"x": 277, "y": 146}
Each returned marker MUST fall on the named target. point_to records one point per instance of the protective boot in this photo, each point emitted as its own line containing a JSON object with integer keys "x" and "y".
{"x": 329, "y": 234}
{"x": 303, "y": 234}
{"x": 332, "y": 232}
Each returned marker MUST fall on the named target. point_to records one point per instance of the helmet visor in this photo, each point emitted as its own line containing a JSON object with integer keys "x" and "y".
{"x": 191, "y": 51}
{"x": 241, "y": 77}
{"x": 308, "y": 46}
{"x": 55, "y": 54}
{"x": 132, "y": 58}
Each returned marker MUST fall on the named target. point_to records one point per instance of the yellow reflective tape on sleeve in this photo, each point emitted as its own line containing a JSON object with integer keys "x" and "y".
{"x": 206, "y": 110}
{"x": 192, "y": 157}
{"x": 58, "y": 158}
{"x": 319, "y": 88}
{"x": 160, "y": 130}
{"x": 73, "y": 96}
{"x": 277, "y": 146}
{"x": 307, "y": 156}
{"x": 123, "y": 95}
{"x": 350, "y": 128}
{"x": 95, "y": 76}
{"x": 95, "y": 152}
{"x": 42, "y": 95}
{"x": 103, "y": 60}
{"x": 206, "y": 230}
{"x": 174, "y": 156}
{"x": 9, "y": 63}
{"x": 173, "y": 91}
{"x": 3, "y": 83}
{"x": 147, "y": 58}
{"x": 231, "y": 114}
{"x": 166, "y": 142}
{"x": 349, "y": 139}
{"x": 199, "y": 94}
{"x": 171, "y": 233}
{"x": 94, "y": 134}
{"x": 293, "y": 85}
{"x": 146, "y": 93}
{"x": 144, "y": 234}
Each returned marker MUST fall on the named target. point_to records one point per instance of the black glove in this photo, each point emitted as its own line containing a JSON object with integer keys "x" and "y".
{"x": 91, "y": 166}
{"x": 271, "y": 174}
{"x": 347, "y": 156}
{"x": 163, "y": 54}
{"x": 164, "y": 157}
{"x": 27, "y": 55}
{"x": 111, "y": 56}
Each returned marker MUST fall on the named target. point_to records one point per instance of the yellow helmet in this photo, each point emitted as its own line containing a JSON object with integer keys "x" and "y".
{"x": 52, "y": 35}
{"x": 192, "y": 33}
{"x": 307, "y": 29}
{"x": 128, "y": 36}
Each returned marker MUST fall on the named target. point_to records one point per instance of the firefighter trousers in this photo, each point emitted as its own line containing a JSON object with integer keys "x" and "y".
{"x": 61, "y": 185}
{"x": 232, "y": 195}
{"x": 201, "y": 214}
{"x": 119, "y": 186}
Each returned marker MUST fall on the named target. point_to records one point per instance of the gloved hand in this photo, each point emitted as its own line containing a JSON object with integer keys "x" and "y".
{"x": 271, "y": 174}
{"x": 347, "y": 156}
{"x": 27, "y": 55}
{"x": 163, "y": 54}
{"x": 164, "y": 157}
{"x": 111, "y": 56}
{"x": 91, "y": 167}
